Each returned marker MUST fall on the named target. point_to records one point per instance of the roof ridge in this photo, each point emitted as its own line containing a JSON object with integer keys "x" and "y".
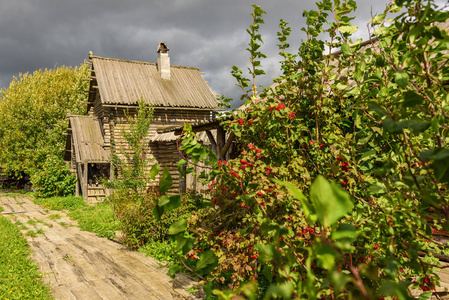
{"x": 140, "y": 62}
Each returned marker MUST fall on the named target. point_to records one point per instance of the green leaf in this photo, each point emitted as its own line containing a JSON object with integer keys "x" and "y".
{"x": 267, "y": 273}
{"x": 177, "y": 227}
{"x": 326, "y": 256}
{"x": 280, "y": 290}
{"x": 183, "y": 243}
{"x": 174, "y": 202}
{"x": 441, "y": 165}
{"x": 206, "y": 258}
{"x": 348, "y": 29}
{"x": 166, "y": 181}
{"x": 331, "y": 202}
{"x": 395, "y": 289}
{"x": 392, "y": 126}
{"x": 345, "y": 231}
{"x": 378, "y": 19}
{"x": 157, "y": 212}
{"x": 401, "y": 78}
{"x": 163, "y": 200}
{"x": 425, "y": 296}
{"x": 154, "y": 171}
{"x": 380, "y": 31}
{"x": 173, "y": 270}
{"x": 267, "y": 252}
{"x": 412, "y": 99}
{"x": 414, "y": 32}
{"x": 417, "y": 126}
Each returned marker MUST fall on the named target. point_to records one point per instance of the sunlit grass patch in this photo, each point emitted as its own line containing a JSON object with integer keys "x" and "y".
{"x": 19, "y": 277}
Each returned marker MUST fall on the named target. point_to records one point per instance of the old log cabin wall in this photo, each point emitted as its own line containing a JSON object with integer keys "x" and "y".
{"x": 162, "y": 148}
{"x": 177, "y": 94}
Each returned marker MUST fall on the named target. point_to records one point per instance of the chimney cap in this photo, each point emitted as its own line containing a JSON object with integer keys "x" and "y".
{"x": 162, "y": 48}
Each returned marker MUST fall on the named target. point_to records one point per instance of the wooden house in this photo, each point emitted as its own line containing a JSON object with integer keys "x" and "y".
{"x": 177, "y": 94}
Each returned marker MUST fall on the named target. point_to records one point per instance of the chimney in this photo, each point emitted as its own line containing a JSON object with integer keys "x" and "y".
{"x": 163, "y": 61}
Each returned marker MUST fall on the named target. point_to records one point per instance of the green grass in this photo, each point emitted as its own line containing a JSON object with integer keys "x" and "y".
{"x": 32, "y": 222}
{"x": 54, "y": 217}
{"x": 19, "y": 193}
{"x": 160, "y": 251}
{"x": 31, "y": 233}
{"x": 98, "y": 218}
{"x": 19, "y": 277}
{"x": 61, "y": 203}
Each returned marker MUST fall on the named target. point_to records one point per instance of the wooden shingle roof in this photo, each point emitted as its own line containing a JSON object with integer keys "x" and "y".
{"x": 124, "y": 82}
{"x": 88, "y": 140}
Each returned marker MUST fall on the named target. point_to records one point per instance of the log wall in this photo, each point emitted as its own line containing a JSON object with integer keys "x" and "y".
{"x": 164, "y": 153}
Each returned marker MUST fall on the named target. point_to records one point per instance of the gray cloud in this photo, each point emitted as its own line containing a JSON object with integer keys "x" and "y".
{"x": 208, "y": 34}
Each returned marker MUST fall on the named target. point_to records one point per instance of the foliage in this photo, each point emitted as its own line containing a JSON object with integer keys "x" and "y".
{"x": 99, "y": 219}
{"x": 141, "y": 225}
{"x": 19, "y": 277}
{"x": 33, "y": 116}
{"x": 53, "y": 179}
{"x": 159, "y": 250}
{"x": 342, "y": 177}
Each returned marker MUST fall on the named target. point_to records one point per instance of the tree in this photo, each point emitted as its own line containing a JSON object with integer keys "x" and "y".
{"x": 33, "y": 115}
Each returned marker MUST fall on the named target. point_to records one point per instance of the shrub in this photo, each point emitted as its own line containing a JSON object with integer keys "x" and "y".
{"x": 53, "y": 179}
{"x": 140, "y": 226}
{"x": 342, "y": 177}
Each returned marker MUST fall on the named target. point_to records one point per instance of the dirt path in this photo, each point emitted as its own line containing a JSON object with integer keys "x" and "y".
{"x": 79, "y": 265}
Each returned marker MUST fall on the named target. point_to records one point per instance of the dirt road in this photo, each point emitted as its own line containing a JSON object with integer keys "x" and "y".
{"x": 79, "y": 265}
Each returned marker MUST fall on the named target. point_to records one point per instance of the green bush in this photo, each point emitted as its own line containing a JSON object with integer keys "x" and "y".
{"x": 141, "y": 227}
{"x": 53, "y": 179}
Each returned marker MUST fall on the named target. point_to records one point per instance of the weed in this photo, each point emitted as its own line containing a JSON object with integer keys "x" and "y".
{"x": 68, "y": 257}
{"x": 54, "y": 217}
{"x": 31, "y": 233}
{"x": 160, "y": 251}
{"x": 192, "y": 290}
{"x": 40, "y": 231}
{"x": 44, "y": 223}
{"x": 31, "y": 222}
{"x": 63, "y": 224}
{"x": 22, "y": 227}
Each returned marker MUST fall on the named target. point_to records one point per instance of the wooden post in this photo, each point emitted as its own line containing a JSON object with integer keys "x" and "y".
{"x": 221, "y": 138}
{"x": 79, "y": 182}
{"x": 85, "y": 193}
{"x": 212, "y": 141}
{"x": 227, "y": 145}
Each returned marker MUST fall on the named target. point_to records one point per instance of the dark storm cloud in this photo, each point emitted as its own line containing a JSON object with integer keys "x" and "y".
{"x": 208, "y": 34}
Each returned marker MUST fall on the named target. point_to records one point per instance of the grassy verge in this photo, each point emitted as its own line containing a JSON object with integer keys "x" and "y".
{"x": 19, "y": 277}
{"x": 98, "y": 219}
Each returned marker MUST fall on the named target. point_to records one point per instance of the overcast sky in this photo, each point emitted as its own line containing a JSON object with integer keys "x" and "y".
{"x": 207, "y": 34}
